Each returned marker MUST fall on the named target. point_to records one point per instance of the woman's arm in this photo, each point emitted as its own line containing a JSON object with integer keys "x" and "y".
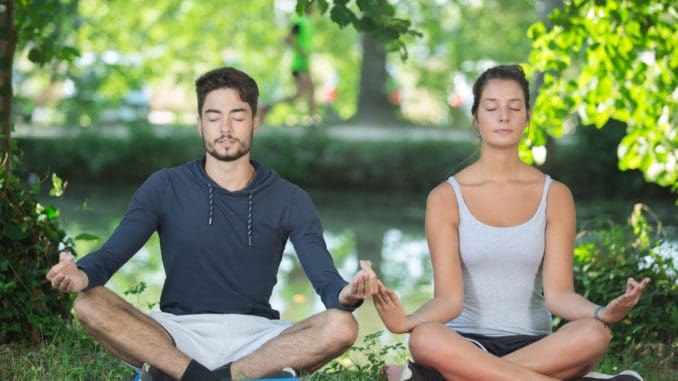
{"x": 558, "y": 277}
{"x": 442, "y": 220}
{"x": 561, "y": 298}
{"x": 442, "y": 235}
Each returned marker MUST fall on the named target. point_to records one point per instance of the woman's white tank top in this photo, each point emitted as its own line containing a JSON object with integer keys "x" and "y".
{"x": 502, "y": 271}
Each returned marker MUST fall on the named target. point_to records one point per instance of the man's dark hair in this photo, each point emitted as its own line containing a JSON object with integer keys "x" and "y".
{"x": 227, "y": 78}
{"x": 510, "y": 72}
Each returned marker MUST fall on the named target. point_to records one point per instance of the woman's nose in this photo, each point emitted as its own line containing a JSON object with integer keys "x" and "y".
{"x": 503, "y": 115}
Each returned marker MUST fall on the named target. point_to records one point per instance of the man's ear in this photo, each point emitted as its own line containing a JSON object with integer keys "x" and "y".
{"x": 256, "y": 121}
{"x": 198, "y": 124}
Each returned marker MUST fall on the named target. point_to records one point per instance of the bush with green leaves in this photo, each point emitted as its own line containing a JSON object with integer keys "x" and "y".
{"x": 608, "y": 254}
{"x": 348, "y": 367}
{"x": 30, "y": 238}
{"x": 310, "y": 159}
{"x": 316, "y": 159}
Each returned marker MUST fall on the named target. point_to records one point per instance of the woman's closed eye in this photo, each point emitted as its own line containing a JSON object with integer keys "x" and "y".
{"x": 518, "y": 109}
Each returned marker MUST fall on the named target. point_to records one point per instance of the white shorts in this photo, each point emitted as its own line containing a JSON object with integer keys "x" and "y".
{"x": 217, "y": 339}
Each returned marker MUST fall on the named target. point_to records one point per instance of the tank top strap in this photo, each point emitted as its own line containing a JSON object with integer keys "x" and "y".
{"x": 457, "y": 193}
{"x": 544, "y": 196}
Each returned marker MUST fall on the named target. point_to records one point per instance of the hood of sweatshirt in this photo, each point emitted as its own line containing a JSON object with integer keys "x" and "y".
{"x": 263, "y": 178}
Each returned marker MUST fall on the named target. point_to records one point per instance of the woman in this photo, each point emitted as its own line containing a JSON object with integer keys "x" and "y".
{"x": 501, "y": 236}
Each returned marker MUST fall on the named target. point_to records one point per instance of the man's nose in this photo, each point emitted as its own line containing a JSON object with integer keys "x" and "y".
{"x": 226, "y": 126}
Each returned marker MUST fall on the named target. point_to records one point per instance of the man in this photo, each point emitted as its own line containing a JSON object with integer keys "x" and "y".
{"x": 223, "y": 222}
{"x": 300, "y": 40}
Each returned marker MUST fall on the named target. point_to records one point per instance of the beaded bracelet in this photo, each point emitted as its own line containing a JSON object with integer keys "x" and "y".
{"x": 596, "y": 315}
{"x": 418, "y": 317}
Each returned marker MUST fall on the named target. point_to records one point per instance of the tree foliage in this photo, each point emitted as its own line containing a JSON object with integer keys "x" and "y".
{"x": 30, "y": 233}
{"x": 44, "y": 39}
{"x": 601, "y": 59}
{"x": 611, "y": 59}
{"x": 175, "y": 40}
{"x": 161, "y": 47}
{"x": 376, "y": 17}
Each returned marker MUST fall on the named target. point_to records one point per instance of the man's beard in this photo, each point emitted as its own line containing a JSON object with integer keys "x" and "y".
{"x": 241, "y": 149}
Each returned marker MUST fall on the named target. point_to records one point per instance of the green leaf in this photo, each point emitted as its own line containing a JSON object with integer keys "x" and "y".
{"x": 16, "y": 232}
{"x": 342, "y": 15}
{"x": 369, "y": 7}
{"x": 68, "y": 53}
{"x": 57, "y": 186}
{"x": 51, "y": 212}
{"x": 87, "y": 237}
{"x": 37, "y": 56}
{"x": 302, "y": 5}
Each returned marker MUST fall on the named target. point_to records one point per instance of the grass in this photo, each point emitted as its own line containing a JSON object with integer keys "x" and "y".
{"x": 74, "y": 356}
{"x": 655, "y": 362}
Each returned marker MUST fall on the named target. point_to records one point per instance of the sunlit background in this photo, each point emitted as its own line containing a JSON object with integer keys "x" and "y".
{"x": 122, "y": 77}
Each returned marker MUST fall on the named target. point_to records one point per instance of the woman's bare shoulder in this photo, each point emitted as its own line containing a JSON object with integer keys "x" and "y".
{"x": 559, "y": 192}
{"x": 442, "y": 197}
{"x": 441, "y": 205}
{"x": 559, "y": 199}
{"x": 441, "y": 192}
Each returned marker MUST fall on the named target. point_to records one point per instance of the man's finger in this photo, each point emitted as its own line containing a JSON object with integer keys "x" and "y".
{"x": 65, "y": 284}
{"x": 366, "y": 265}
{"x": 56, "y": 280}
{"x": 65, "y": 256}
{"x": 56, "y": 269}
{"x": 359, "y": 286}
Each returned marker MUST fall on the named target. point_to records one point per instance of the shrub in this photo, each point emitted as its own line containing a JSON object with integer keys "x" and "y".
{"x": 310, "y": 158}
{"x": 30, "y": 236}
{"x": 373, "y": 365}
{"x": 609, "y": 254}
{"x": 314, "y": 158}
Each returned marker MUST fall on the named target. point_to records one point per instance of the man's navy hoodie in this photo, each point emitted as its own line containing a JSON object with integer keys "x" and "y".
{"x": 221, "y": 250}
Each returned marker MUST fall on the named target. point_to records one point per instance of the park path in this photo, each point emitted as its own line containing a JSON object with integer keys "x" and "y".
{"x": 339, "y": 131}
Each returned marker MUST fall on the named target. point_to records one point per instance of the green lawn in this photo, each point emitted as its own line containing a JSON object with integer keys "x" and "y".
{"x": 73, "y": 356}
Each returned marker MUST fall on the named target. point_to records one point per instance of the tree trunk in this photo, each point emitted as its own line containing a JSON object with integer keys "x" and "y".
{"x": 7, "y": 47}
{"x": 373, "y": 102}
